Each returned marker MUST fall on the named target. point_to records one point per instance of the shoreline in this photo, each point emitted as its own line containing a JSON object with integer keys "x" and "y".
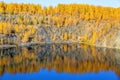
{"x": 7, "y": 46}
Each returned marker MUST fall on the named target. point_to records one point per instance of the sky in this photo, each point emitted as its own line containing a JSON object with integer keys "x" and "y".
{"x": 45, "y": 3}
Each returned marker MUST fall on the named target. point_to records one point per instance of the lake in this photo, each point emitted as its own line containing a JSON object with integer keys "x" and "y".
{"x": 59, "y": 62}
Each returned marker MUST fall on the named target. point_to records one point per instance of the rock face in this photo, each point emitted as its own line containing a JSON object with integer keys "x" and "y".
{"x": 105, "y": 34}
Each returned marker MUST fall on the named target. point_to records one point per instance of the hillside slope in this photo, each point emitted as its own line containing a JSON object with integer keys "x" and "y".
{"x": 94, "y": 25}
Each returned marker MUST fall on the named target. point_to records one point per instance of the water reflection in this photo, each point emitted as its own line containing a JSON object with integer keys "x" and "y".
{"x": 72, "y": 58}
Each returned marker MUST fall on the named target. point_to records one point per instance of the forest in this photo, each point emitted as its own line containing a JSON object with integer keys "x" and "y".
{"x": 21, "y": 23}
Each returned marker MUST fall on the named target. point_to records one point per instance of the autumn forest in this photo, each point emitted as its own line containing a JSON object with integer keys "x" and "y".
{"x": 23, "y": 23}
{"x": 65, "y": 41}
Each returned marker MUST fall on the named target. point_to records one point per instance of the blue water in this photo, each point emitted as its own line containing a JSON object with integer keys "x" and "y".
{"x": 44, "y": 74}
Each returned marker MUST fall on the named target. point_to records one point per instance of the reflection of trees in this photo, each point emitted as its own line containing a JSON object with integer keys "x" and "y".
{"x": 67, "y": 58}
